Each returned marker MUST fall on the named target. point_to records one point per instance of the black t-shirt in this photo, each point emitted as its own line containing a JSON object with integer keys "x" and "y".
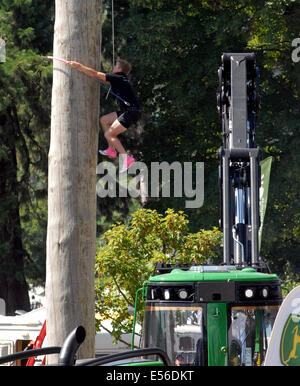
{"x": 121, "y": 86}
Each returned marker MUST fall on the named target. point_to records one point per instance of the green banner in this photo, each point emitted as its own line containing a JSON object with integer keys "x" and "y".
{"x": 263, "y": 192}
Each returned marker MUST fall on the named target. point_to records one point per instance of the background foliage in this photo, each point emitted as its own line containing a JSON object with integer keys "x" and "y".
{"x": 25, "y": 89}
{"x": 175, "y": 48}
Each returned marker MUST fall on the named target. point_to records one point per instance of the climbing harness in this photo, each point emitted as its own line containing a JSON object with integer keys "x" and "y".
{"x": 109, "y": 91}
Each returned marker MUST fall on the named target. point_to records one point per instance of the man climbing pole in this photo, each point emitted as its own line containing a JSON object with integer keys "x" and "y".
{"x": 116, "y": 122}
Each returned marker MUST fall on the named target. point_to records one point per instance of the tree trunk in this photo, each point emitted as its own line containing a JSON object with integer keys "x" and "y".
{"x": 71, "y": 235}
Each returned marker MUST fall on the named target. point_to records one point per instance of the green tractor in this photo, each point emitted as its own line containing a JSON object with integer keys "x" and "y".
{"x": 211, "y": 315}
{"x": 222, "y": 315}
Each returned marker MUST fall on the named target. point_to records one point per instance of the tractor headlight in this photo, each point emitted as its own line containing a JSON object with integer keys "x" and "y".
{"x": 249, "y": 293}
{"x": 182, "y": 294}
{"x": 167, "y": 294}
{"x": 265, "y": 292}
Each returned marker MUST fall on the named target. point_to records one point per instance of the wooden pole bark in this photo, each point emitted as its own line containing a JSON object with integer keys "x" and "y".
{"x": 71, "y": 236}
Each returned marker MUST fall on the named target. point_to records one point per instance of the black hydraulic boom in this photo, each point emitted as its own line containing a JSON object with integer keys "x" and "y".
{"x": 238, "y": 104}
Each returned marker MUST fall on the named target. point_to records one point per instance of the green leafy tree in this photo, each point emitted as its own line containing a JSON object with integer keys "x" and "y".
{"x": 25, "y": 85}
{"x": 129, "y": 251}
{"x": 290, "y": 281}
{"x": 275, "y": 26}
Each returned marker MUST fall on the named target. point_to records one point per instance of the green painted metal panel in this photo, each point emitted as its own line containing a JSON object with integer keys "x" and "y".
{"x": 247, "y": 274}
{"x": 217, "y": 334}
{"x": 145, "y": 363}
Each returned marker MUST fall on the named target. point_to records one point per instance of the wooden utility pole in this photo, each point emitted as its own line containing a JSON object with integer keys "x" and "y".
{"x": 71, "y": 237}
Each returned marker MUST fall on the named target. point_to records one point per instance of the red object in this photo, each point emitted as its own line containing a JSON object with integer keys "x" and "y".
{"x": 37, "y": 344}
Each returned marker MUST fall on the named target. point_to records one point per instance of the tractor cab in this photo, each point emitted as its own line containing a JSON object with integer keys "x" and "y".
{"x": 211, "y": 315}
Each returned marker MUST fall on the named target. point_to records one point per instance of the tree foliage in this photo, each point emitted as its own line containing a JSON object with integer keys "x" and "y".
{"x": 175, "y": 48}
{"x": 275, "y": 28}
{"x": 25, "y": 81}
{"x": 129, "y": 251}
